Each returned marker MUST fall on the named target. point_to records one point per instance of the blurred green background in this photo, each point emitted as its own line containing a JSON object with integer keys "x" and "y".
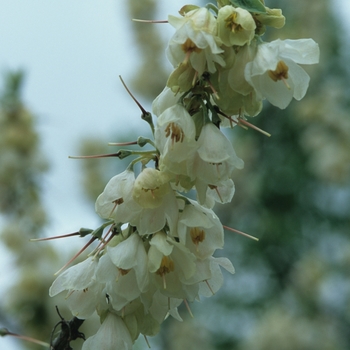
{"x": 291, "y": 289}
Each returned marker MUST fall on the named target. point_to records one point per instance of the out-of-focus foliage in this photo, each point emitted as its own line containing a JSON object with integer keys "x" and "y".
{"x": 20, "y": 161}
{"x": 150, "y": 77}
{"x": 27, "y": 306}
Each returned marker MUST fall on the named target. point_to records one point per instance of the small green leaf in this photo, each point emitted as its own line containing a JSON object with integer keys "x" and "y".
{"x": 255, "y": 6}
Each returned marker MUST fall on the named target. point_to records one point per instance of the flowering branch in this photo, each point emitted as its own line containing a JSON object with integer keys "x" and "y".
{"x": 160, "y": 245}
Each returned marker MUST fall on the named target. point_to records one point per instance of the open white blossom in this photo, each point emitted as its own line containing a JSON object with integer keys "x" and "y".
{"x": 175, "y": 139}
{"x": 275, "y": 74}
{"x": 123, "y": 271}
{"x": 195, "y": 41}
{"x": 200, "y": 230}
{"x": 116, "y": 202}
{"x": 152, "y": 191}
{"x": 214, "y": 162}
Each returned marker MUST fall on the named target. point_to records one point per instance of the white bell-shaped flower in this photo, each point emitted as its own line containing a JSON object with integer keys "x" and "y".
{"x": 84, "y": 292}
{"x": 120, "y": 285}
{"x": 195, "y": 41}
{"x": 163, "y": 306}
{"x": 154, "y": 194}
{"x": 112, "y": 334}
{"x": 116, "y": 201}
{"x": 131, "y": 255}
{"x": 200, "y": 230}
{"x": 275, "y": 74}
{"x": 214, "y": 162}
{"x": 166, "y": 99}
{"x": 172, "y": 264}
{"x": 175, "y": 134}
{"x": 236, "y": 26}
{"x": 211, "y": 285}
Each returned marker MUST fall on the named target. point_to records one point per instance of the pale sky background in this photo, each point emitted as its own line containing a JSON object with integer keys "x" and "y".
{"x": 73, "y": 52}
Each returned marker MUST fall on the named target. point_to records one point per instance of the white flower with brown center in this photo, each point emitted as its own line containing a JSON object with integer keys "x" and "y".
{"x": 236, "y": 26}
{"x": 200, "y": 230}
{"x": 195, "y": 41}
{"x": 152, "y": 191}
{"x": 116, "y": 202}
{"x": 175, "y": 139}
{"x": 275, "y": 72}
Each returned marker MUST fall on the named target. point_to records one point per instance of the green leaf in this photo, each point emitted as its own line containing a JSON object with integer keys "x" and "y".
{"x": 255, "y": 6}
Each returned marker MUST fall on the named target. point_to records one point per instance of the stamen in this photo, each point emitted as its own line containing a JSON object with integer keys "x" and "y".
{"x": 152, "y": 191}
{"x": 241, "y": 120}
{"x": 188, "y": 308}
{"x": 197, "y": 235}
{"x": 212, "y": 187}
{"x": 240, "y": 232}
{"x": 148, "y": 344}
{"x": 206, "y": 281}
{"x": 164, "y": 281}
{"x": 280, "y": 73}
{"x": 190, "y": 46}
{"x": 69, "y": 294}
{"x": 231, "y": 23}
{"x": 175, "y": 132}
{"x": 116, "y": 203}
{"x": 194, "y": 78}
{"x": 166, "y": 266}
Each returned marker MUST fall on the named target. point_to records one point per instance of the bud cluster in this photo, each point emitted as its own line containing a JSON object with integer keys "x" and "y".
{"x": 158, "y": 250}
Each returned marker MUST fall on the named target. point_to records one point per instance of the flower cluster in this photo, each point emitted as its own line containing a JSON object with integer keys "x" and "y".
{"x": 158, "y": 250}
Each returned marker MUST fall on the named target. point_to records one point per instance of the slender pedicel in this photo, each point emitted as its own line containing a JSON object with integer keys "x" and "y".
{"x": 150, "y": 20}
{"x": 76, "y": 255}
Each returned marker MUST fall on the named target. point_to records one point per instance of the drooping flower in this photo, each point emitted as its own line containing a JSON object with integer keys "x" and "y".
{"x": 214, "y": 162}
{"x": 272, "y": 18}
{"x": 152, "y": 191}
{"x": 236, "y": 26}
{"x": 211, "y": 285}
{"x": 175, "y": 139}
{"x": 84, "y": 292}
{"x": 275, "y": 74}
{"x": 113, "y": 334}
{"x": 200, "y": 230}
{"x": 116, "y": 201}
{"x": 123, "y": 271}
{"x": 166, "y": 99}
{"x": 195, "y": 41}
{"x": 171, "y": 264}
